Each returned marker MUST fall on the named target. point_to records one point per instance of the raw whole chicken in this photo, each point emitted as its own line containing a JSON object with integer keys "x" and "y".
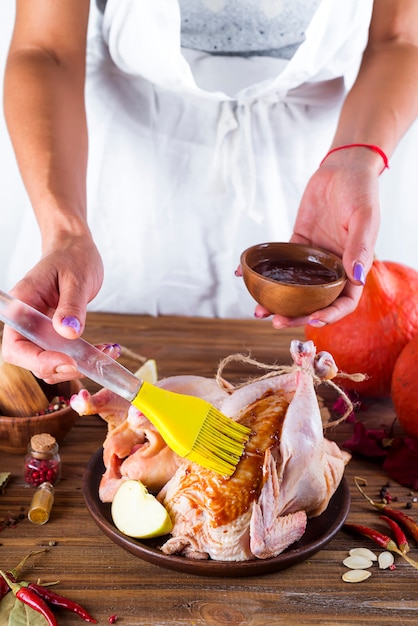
{"x": 133, "y": 448}
{"x": 287, "y": 473}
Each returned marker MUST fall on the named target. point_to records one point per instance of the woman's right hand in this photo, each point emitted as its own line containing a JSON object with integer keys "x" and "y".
{"x": 62, "y": 283}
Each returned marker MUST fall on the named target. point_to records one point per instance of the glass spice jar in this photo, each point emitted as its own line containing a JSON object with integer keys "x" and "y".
{"x": 41, "y": 504}
{"x": 42, "y": 461}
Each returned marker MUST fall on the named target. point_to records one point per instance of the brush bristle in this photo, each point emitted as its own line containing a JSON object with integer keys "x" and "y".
{"x": 220, "y": 443}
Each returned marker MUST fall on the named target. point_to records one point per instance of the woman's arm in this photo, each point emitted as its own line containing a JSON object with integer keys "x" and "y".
{"x": 45, "y": 113}
{"x": 340, "y": 207}
{"x": 383, "y": 101}
{"x": 44, "y": 109}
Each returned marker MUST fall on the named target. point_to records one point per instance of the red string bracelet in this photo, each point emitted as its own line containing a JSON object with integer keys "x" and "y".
{"x": 370, "y": 146}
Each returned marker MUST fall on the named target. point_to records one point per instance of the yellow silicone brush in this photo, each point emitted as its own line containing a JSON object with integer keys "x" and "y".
{"x": 190, "y": 426}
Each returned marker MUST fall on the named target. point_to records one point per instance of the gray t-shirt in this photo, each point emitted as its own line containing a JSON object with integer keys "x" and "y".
{"x": 246, "y": 27}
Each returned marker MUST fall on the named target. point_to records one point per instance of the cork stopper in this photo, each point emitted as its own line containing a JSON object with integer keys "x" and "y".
{"x": 43, "y": 443}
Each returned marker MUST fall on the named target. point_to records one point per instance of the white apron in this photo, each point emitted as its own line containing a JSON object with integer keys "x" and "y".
{"x": 192, "y": 158}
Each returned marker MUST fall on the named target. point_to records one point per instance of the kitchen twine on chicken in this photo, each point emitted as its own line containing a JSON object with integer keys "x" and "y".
{"x": 130, "y": 354}
{"x": 276, "y": 370}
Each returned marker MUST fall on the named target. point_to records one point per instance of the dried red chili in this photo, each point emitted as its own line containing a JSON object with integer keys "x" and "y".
{"x": 31, "y": 599}
{"x": 400, "y": 537}
{"x": 399, "y": 516}
{"x": 56, "y": 600}
{"x": 4, "y": 588}
{"x": 382, "y": 540}
{"x": 45, "y": 594}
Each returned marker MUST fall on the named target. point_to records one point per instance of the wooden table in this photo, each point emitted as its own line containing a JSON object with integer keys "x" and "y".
{"x": 108, "y": 580}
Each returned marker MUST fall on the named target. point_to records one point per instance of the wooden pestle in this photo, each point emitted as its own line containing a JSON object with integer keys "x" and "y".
{"x": 20, "y": 393}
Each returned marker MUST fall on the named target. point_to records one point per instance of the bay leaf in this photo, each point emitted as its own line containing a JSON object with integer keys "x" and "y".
{"x": 6, "y": 605}
{"x": 4, "y": 479}
{"x": 22, "y": 615}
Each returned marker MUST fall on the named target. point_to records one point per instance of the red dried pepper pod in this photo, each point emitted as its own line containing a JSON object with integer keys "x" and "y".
{"x": 382, "y": 540}
{"x": 400, "y": 517}
{"x": 400, "y": 537}
{"x": 31, "y": 599}
{"x": 55, "y": 599}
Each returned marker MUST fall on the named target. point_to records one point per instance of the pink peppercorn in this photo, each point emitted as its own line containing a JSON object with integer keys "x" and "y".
{"x": 42, "y": 461}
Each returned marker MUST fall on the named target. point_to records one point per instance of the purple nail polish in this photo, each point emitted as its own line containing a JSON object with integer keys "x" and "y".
{"x": 72, "y": 322}
{"x": 113, "y": 349}
{"x": 316, "y": 323}
{"x": 358, "y": 273}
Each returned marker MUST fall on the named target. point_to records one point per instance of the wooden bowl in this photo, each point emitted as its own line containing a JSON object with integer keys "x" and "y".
{"x": 15, "y": 432}
{"x": 305, "y": 279}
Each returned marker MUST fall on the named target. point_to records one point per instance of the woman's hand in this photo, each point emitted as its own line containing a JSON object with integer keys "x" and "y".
{"x": 65, "y": 280}
{"x": 340, "y": 212}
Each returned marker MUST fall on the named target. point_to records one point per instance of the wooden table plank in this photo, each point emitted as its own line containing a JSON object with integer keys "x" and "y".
{"x": 108, "y": 580}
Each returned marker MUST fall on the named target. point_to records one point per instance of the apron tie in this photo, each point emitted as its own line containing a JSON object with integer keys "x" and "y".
{"x": 233, "y": 162}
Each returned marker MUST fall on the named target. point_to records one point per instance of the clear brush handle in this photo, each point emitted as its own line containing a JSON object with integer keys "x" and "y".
{"x": 91, "y": 362}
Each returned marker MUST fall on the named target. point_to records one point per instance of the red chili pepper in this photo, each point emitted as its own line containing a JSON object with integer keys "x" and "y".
{"x": 54, "y": 598}
{"x": 399, "y": 516}
{"x": 400, "y": 538}
{"x": 407, "y": 522}
{"x": 31, "y": 599}
{"x": 382, "y": 540}
{"x": 4, "y": 588}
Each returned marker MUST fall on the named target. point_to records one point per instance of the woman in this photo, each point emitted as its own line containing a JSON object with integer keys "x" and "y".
{"x": 199, "y": 145}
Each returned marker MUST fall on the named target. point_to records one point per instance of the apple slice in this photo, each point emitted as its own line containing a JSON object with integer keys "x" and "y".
{"x": 137, "y": 513}
{"x": 148, "y": 371}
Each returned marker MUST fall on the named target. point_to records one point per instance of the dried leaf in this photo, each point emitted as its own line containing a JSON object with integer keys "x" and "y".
{"x": 401, "y": 462}
{"x": 367, "y": 442}
{"x": 4, "y": 478}
{"x": 6, "y": 605}
{"x": 339, "y": 405}
{"x": 356, "y": 575}
{"x": 399, "y": 455}
{"x": 13, "y": 612}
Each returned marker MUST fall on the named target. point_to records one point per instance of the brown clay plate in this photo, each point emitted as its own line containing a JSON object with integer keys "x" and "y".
{"x": 320, "y": 530}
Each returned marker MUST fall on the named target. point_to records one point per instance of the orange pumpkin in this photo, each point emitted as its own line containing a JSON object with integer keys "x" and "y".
{"x": 370, "y": 339}
{"x": 405, "y": 387}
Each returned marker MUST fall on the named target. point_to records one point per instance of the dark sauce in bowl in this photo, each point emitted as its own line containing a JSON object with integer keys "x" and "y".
{"x": 299, "y": 273}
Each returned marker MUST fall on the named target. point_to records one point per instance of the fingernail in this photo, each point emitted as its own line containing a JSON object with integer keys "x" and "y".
{"x": 65, "y": 369}
{"x": 279, "y": 325}
{"x": 261, "y": 316}
{"x": 317, "y": 323}
{"x": 238, "y": 271}
{"x": 111, "y": 349}
{"x": 72, "y": 322}
{"x": 358, "y": 273}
